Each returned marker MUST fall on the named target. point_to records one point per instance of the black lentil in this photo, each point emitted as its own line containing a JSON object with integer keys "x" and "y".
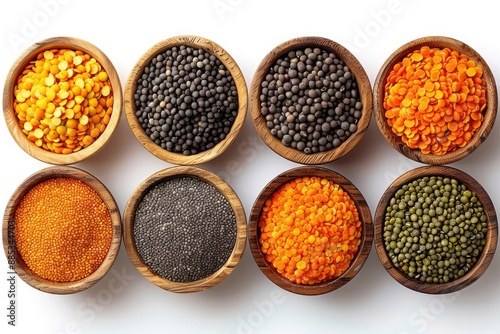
{"x": 184, "y": 229}
{"x": 310, "y": 100}
{"x": 435, "y": 229}
{"x": 186, "y": 100}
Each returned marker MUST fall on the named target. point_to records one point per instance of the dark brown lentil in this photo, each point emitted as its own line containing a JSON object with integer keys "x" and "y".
{"x": 310, "y": 100}
{"x": 435, "y": 229}
{"x": 184, "y": 229}
{"x": 186, "y": 100}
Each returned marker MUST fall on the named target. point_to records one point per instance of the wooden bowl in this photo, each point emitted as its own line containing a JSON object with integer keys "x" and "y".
{"x": 30, "y": 54}
{"x": 130, "y": 108}
{"x": 16, "y": 262}
{"x": 129, "y": 221}
{"x": 364, "y": 87}
{"x": 491, "y": 237}
{"x": 254, "y": 232}
{"x": 489, "y": 112}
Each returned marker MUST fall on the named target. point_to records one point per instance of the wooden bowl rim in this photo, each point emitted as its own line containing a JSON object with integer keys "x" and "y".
{"x": 20, "y": 267}
{"x": 239, "y": 81}
{"x": 489, "y": 113}
{"x": 365, "y": 218}
{"x": 203, "y": 175}
{"x": 364, "y": 87}
{"x": 491, "y": 238}
{"x": 70, "y": 43}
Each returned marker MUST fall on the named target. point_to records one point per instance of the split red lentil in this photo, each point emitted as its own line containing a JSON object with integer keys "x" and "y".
{"x": 310, "y": 230}
{"x": 434, "y": 100}
{"x": 63, "y": 229}
{"x": 63, "y": 100}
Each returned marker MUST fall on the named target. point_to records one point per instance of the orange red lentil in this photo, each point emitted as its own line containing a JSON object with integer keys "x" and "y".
{"x": 310, "y": 230}
{"x": 434, "y": 100}
{"x": 63, "y": 100}
{"x": 63, "y": 229}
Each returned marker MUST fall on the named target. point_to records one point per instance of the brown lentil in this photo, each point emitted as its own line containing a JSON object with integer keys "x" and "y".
{"x": 63, "y": 100}
{"x": 186, "y": 100}
{"x": 310, "y": 100}
{"x": 63, "y": 229}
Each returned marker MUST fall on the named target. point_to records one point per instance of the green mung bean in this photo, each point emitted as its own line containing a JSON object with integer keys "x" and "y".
{"x": 434, "y": 229}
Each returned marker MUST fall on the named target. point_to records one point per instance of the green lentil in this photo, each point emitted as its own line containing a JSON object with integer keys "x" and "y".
{"x": 434, "y": 229}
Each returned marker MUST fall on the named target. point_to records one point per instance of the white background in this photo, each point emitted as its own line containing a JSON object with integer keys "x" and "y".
{"x": 246, "y": 302}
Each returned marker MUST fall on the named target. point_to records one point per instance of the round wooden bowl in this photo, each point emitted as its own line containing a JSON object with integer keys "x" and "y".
{"x": 30, "y": 54}
{"x": 491, "y": 237}
{"x": 366, "y": 235}
{"x": 364, "y": 87}
{"x": 130, "y": 109}
{"x": 15, "y": 260}
{"x": 489, "y": 112}
{"x": 129, "y": 220}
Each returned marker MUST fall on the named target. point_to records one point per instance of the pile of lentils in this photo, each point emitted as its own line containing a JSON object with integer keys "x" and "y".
{"x": 184, "y": 229}
{"x": 63, "y": 229}
{"x": 435, "y": 229}
{"x": 186, "y": 100}
{"x": 310, "y": 100}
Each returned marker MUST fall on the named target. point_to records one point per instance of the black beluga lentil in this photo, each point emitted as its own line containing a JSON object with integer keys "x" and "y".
{"x": 435, "y": 229}
{"x": 186, "y": 100}
{"x": 310, "y": 100}
{"x": 184, "y": 229}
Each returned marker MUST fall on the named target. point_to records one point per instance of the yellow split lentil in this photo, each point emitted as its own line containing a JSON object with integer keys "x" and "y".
{"x": 63, "y": 229}
{"x": 434, "y": 100}
{"x": 310, "y": 230}
{"x": 63, "y": 100}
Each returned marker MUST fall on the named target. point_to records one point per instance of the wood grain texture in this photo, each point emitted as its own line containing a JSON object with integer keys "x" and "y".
{"x": 489, "y": 113}
{"x": 364, "y": 87}
{"x": 491, "y": 236}
{"x": 224, "y": 188}
{"x": 130, "y": 88}
{"x": 9, "y": 222}
{"x": 8, "y": 100}
{"x": 366, "y": 236}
